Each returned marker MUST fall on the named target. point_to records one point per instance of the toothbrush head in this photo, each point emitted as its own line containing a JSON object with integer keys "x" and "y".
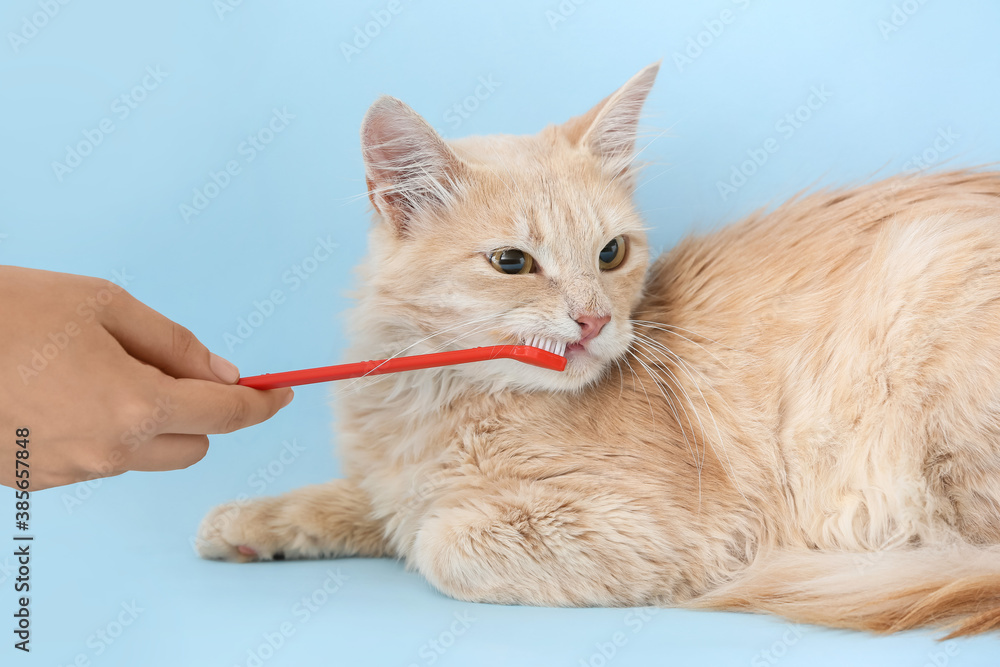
{"x": 543, "y": 352}
{"x": 547, "y": 344}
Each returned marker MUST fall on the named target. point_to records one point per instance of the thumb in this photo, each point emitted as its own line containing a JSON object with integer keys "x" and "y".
{"x": 159, "y": 341}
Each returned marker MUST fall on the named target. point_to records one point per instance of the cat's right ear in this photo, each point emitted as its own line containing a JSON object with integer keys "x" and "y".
{"x": 409, "y": 168}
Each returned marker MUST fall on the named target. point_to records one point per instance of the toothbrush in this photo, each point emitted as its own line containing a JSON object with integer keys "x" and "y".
{"x": 537, "y": 351}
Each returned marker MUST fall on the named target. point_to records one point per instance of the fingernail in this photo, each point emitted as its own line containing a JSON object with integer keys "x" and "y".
{"x": 224, "y": 370}
{"x": 288, "y": 399}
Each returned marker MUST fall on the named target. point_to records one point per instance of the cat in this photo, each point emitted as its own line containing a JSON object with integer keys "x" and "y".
{"x": 796, "y": 414}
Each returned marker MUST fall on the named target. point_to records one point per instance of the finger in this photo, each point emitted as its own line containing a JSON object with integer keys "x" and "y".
{"x": 207, "y": 407}
{"x": 157, "y": 340}
{"x": 169, "y": 451}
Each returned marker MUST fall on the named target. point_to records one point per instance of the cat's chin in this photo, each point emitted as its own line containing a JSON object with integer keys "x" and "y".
{"x": 582, "y": 370}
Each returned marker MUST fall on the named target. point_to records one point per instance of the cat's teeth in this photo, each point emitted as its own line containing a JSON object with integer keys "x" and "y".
{"x": 547, "y": 344}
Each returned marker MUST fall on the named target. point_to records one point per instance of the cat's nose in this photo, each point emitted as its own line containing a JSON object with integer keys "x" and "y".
{"x": 591, "y": 325}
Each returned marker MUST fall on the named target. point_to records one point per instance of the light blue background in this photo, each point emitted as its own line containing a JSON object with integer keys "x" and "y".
{"x": 128, "y": 539}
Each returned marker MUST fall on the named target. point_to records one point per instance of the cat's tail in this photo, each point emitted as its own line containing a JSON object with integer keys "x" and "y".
{"x": 956, "y": 589}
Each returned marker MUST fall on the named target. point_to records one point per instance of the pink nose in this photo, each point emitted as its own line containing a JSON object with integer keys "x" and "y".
{"x": 591, "y": 325}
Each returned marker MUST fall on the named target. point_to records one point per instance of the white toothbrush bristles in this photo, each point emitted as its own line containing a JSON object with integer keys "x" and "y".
{"x": 547, "y": 344}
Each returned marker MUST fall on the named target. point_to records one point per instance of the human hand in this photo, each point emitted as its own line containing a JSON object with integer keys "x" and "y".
{"x": 105, "y": 384}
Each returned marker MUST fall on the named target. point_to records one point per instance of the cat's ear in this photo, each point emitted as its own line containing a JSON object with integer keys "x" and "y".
{"x": 609, "y": 128}
{"x": 409, "y": 168}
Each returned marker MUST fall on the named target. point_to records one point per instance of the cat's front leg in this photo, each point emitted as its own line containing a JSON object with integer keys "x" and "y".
{"x": 320, "y": 521}
{"x": 545, "y": 542}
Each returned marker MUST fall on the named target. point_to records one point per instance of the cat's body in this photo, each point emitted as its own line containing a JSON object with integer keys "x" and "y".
{"x": 799, "y": 413}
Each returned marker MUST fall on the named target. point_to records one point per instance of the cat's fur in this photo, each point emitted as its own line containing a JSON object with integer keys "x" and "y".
{"x": 799, "y": 413}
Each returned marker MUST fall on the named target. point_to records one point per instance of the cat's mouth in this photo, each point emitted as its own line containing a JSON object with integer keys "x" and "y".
{"x": 585, "y": 362}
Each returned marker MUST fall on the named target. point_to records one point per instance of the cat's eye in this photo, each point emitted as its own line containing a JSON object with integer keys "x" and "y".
{"x": 511, "y": 261}
{"x": 612, "y": 254}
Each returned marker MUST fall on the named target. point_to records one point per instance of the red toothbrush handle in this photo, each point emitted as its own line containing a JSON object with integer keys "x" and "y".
{"x": 524, "y": 353}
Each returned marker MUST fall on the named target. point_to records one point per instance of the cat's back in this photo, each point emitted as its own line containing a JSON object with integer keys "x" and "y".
{"x": 822, "y": 240}
{"x": 863, "y": 326}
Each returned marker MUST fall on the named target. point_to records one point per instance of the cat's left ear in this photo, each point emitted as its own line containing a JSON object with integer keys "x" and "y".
{"x": 609, "y": 128}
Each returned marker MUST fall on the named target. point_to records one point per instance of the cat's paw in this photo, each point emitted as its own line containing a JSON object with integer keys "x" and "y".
{"x": 241, "y": 532}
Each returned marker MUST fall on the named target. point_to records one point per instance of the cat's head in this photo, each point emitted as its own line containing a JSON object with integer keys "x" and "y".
{"x": 492, "y": 240}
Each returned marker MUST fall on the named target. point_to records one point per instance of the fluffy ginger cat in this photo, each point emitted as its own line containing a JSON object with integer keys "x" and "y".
{"x": 798, "y": 414}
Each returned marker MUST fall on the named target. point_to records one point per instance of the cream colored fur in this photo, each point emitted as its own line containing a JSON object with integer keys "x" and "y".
{"x": 799, "y": 413}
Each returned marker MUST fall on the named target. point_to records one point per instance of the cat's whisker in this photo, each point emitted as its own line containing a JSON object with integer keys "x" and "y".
{"x": 731, "y": 472}
{"x": 669, "y": 328}
{"x": 650, "y": 142}
{"x": 443, "y": 346}
{"x": 406, "y": 349}
{"x": 621, "y": 380}
{"x": 661, "y": 384}
{"x": 652, "y": 178}
{"x": 452, "y": 341}
{"x": 371, "y": 380}
{"x": 660, "y": 362}
{"x": 652, "y": 414}
{"x": 661, "y": 327}
{"x": 656, "y": 346}
{"x": 678, "y": 386}
{"x": 662, "y": 346}
{"x": 699, "y": 461}
{"x": 353, "y": 198}
{"x": 633, "y": 166}
{"x": 684, "y": 366}
{"x": 688, "y": 368}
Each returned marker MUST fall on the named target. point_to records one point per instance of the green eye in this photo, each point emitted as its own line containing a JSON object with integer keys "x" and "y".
{"x": 612, "y": 254}
{"x": 511, "y": 261}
